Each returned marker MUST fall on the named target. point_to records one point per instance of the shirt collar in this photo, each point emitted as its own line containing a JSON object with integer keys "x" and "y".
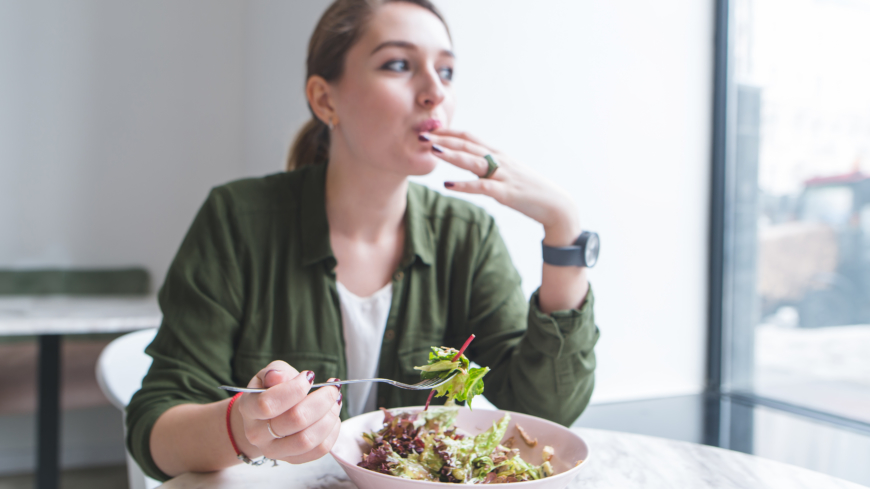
{"x": 314, "y": 226}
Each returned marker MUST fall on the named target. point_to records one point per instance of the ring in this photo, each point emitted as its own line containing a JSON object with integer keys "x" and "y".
{"x": 269, "y": 427}
{"x": 492, "y": 166}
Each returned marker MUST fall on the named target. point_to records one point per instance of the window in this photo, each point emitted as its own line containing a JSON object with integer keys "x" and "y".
{"x": 795, "y": 219}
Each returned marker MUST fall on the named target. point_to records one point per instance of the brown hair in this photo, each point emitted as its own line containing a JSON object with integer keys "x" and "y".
{"x": 337, "y": 31}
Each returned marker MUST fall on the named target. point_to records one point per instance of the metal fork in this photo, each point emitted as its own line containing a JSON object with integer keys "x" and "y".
{"x": 419, "y": 386}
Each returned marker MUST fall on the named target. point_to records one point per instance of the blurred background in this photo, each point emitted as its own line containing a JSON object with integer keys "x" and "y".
{"x": 733, "y": 289}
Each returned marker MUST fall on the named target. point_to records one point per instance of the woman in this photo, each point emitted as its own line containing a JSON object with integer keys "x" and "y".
{"x": 341, "y": 267}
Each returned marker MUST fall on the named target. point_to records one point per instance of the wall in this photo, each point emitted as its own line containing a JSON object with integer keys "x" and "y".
{"x": 612, "y": 101}
{"x": 118, "y": 116}
{"x": 116, "y": 119}
{"x": 276, "y": 43}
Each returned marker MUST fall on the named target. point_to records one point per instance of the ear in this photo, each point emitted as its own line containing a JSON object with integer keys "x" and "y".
{"x": 319, "y": 95}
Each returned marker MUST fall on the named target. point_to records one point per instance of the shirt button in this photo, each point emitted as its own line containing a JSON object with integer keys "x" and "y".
{"x": 399, "y": 276}
{"x": 390, "y": 334}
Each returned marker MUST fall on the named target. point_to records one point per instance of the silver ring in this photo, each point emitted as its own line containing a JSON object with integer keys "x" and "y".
{"x": 271, "y": 432}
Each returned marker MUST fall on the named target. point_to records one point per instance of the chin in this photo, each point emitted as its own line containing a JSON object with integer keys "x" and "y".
{"x": 419, "y": 165}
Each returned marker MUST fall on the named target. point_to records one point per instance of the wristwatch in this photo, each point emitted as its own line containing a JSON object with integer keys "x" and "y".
{"x": 584, "y": 252}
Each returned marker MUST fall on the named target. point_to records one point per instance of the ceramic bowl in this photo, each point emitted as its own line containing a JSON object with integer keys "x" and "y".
{"x": 568, "y": 446}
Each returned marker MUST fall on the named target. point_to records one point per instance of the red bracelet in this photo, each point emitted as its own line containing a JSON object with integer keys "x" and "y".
{"x": 239, "y": 455}
{"x": 230, "y": 427}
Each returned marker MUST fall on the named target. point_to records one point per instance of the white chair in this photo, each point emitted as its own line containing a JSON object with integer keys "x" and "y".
{"x": 120, "y": 370}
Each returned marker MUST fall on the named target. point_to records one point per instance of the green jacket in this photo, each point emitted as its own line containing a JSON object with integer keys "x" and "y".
{"x": 254, "y": 282}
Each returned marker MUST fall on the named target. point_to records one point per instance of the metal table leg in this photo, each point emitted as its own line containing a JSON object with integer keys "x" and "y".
{"x": 48, "y": 416}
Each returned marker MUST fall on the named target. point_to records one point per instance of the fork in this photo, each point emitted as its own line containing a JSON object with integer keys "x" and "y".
{"x": 419, "y": 386}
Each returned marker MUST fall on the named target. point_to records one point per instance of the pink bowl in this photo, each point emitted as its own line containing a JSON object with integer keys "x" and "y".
{"x": 569, "y": 447}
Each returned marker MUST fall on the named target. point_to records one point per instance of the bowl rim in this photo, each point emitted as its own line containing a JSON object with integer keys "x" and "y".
{"x": 343, "y": 462}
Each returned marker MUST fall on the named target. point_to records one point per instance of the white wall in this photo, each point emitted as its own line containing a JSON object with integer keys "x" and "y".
{"x": 118, "y": 116}
{"x": 276, "y": 45}
{"x": 612, "y": 100}
{"x": 116, "y": 119}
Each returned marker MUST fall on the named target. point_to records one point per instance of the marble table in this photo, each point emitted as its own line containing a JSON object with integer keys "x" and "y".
{"x": 51, "y": 317}
{"x": 617, "y": 460}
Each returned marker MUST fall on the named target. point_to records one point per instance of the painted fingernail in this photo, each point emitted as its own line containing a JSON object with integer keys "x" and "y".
{"x": 338, "y": 401}
{"x": 423, "y": 137}
{"x": 335, "y": 379}
{"x": 310, "y": 376}
{"x": 449, "y": 184}
{"x": 437, "y": 148}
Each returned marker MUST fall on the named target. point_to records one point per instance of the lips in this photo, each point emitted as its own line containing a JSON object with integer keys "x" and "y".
{"x": 428, "y": 125}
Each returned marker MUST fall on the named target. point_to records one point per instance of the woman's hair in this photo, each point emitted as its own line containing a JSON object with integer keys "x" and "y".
{"x": 338, "y": 29}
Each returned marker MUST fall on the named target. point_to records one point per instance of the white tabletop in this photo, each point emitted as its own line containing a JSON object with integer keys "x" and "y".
{"x": 616, "y": 460}
{"x": 40, "y": 315}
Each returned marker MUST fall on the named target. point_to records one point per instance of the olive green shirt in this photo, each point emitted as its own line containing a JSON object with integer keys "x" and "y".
{"x": 254, "y": 281}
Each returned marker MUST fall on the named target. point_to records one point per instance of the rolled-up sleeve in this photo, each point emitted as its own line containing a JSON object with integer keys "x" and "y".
{"x": 541, "y": 364}
{"x": 192, "y": 352}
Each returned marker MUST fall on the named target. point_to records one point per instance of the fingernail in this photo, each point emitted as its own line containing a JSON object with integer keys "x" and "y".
{"x": 437, "y": 148}
{"x": 338, "y": 401}
{"x": 423, "y": 137}
{"x": 449, "y": 184}
{"x": 310, "y": 376}
{"x": 335, "y": 379}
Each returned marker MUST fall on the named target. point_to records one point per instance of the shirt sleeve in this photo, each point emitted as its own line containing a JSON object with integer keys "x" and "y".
{"x": 201, "y": 301}
{"x": 541, "y": 364}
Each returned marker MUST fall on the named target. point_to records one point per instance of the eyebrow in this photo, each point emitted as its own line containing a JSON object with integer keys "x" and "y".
{"x": 407, "y": 45}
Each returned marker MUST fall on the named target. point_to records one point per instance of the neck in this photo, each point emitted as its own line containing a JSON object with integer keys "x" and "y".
{"x": 363, "y": 202}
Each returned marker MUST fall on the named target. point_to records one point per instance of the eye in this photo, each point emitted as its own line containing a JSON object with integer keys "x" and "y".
{"x": 446, "y": 73}
{"x": 397, "y": 65}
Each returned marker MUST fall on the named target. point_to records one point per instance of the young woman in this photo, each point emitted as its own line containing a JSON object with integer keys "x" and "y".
{"x": 342, "y": 268}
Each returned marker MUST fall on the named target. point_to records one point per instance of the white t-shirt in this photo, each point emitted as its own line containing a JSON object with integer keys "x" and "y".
{"x": 363, "y": 320}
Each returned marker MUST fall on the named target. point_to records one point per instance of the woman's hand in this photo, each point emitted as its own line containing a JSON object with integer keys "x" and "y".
{"x": 523, "y": 190}
{"x": 512, "y": 184}
{"x": 308, "y": 424}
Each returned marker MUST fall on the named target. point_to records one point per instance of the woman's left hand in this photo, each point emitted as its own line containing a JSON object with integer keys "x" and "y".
{"x": 513, "y": 184}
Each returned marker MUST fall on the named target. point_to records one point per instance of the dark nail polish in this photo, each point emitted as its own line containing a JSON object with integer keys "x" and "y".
{"x": 448, "y": 184}
{"x": 437, "y": 148}
{"x": 310, "y": 376}
{"x": 423, "y": 137}
{"x": 338, "y": 401}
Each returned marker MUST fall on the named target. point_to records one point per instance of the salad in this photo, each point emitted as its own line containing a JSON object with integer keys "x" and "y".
{"x": 427, "y": 446}
{"x": 466, "y": 384}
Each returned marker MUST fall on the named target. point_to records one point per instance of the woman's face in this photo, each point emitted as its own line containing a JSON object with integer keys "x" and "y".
{"x": 396, "y": 85}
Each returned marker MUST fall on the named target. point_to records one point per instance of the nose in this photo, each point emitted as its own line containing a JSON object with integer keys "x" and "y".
{"x": 431, "y": 91}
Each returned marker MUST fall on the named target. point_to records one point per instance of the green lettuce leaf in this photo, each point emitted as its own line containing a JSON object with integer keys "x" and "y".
{"x": 440, "y": 366}
{"x": 485, "y": 443}
{"x": 439, "y": 419}
{"x": 473, "y": 385}
{"x": 412, "y": 468}
{"x": 466, "y": 384}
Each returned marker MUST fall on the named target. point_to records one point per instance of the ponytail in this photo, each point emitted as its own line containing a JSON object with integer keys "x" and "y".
{"x": 311, "y": 146}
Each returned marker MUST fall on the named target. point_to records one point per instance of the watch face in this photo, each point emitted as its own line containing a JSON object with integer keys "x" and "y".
{"x": 591, "y": 250}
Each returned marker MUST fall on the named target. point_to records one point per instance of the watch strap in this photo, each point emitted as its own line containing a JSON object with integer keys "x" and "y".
{"x": 567, "y": 256}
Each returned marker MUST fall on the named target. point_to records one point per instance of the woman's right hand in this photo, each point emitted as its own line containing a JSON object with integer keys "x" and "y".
{"x": 307, "y": 423}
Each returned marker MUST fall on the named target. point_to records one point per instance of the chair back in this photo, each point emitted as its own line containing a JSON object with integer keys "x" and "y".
{"x": 120, "y": 369}
{"x": 122, "y": 366}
